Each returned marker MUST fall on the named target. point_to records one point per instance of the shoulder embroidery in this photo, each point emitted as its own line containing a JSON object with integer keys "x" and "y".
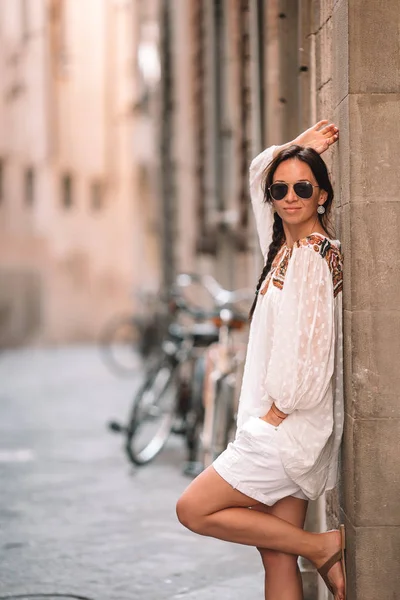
{"x": 271, "y": 274}
{"x": 334, "y": 259}
{"x": 331, "y": 254}
{"x": 325, "y": 247}
{"x": 327, "y": 251}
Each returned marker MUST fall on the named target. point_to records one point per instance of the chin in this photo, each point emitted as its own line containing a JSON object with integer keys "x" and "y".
{"x": 294, "y": 219}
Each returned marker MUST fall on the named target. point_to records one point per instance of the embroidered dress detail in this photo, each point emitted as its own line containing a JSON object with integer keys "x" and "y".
{"x": 278, "y": 277}
{"x": 331, "y": 254}
{"x": 274, "y": 265}
{"x": 325, "y": 249}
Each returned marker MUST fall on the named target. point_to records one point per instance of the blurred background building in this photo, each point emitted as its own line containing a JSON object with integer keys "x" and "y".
{"x": 69, "y": 226}
{"x": 126, "y": 132}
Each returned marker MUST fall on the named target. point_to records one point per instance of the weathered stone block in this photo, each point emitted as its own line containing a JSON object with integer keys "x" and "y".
{"x": 377, "y": 552}
{"x": 375, "y": 373}
{"x": 376, "y": 472}
{"x": 323, "y": 46}
{"x": 375, "y": 256}
{"x": 341, "y": 163}
{"x": 372, "y": 560}
{"x": 332, "y": 508}
{"x": 322, "y": 12}
{"x": 347, "y": 483}
{"x": 325, "y": 105}
{"x": 369, "y": 468}
{"x": 340, "y": 51}
{"x": 374, "y": 124}
{"x": 373, "y": 36}
{"x": 348, "y": 361}
{"x": 345, "y": 238}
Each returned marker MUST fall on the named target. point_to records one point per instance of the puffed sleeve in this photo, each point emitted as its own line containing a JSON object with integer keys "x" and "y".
{"x": 263, "y": 211}
{"x": 302, "y": 357}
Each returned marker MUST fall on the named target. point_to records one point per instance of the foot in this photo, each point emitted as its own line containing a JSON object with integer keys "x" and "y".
{"x": 331, "y": 543}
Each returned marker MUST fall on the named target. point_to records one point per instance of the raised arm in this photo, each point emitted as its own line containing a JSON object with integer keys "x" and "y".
{"x": 320, "y": 137}
{"x": 262, "y": 211}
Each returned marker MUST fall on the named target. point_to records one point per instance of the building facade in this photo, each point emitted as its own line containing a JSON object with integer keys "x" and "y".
{"x": 73, "y": 214}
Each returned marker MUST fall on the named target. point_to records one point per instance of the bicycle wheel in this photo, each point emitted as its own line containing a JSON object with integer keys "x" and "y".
{"x": 128, "y": 345}
{"x": 153, "y": 414}
{"x": 223, "y": 418}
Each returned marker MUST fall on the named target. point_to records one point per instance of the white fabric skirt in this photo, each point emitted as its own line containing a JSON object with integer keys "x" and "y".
{"x": 252, "y": 464}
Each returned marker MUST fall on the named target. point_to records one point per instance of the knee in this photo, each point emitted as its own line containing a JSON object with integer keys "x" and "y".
{"x": 188, "y": 514}
{"x": 278, "y": 563}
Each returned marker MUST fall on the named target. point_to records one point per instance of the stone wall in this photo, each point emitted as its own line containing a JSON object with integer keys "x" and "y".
{"x": 357, "y": 53}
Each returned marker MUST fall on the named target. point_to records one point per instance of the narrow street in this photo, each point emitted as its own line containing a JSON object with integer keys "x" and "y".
{"x": 75, "y": 517}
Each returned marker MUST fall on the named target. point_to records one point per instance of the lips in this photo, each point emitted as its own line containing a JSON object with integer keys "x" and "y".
{"x": 291, "y": 209}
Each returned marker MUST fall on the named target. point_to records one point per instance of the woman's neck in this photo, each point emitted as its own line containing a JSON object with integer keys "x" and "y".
{"x": 300, "y": 231}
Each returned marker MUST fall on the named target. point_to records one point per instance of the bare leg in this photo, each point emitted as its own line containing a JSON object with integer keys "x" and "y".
{"x": 210, "y": 507}
{"x": 282, "y": 574}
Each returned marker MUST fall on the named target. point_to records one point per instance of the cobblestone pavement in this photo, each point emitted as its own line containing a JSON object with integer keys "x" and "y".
{"x": 75, "y": 517}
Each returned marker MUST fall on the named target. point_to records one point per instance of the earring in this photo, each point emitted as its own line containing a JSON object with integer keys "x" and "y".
{"x": 321, "y": 209}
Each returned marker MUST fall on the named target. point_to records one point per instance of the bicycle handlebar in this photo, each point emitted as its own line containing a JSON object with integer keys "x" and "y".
{"x": 223, "y": 298}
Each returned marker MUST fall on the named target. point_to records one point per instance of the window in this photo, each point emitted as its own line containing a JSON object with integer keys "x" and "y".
{"x": 67, "y": 191}
{"x": 29, "y": 187}
{"x": 97, "y": 195}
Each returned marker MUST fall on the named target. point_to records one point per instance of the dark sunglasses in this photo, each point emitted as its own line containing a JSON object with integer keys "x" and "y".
{"x": 302, "y": 189}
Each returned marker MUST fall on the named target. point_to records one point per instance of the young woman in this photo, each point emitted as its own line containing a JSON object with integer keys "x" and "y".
{"x": 290, "y": 416}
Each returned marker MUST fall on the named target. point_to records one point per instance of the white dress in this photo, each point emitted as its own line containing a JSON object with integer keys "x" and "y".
{"x": 295, "y": 359}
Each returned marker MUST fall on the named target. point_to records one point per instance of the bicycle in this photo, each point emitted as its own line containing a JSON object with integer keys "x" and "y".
{"x": 170, "y": 398}
{"x": 162, "y": 402}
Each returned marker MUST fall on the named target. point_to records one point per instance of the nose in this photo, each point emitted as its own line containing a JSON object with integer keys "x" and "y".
{"x": 291, "y": 195}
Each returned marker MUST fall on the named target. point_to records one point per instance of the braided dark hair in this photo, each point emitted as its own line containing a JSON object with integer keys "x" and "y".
{"x": 278, "y": 237}
{"x": 318, "y": 167}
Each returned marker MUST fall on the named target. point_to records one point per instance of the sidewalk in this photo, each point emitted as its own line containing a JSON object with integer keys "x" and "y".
{"x": 75, "y": 517}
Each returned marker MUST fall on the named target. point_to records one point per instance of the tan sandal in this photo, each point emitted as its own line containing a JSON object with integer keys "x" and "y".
{"x": 326, "y": 567}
